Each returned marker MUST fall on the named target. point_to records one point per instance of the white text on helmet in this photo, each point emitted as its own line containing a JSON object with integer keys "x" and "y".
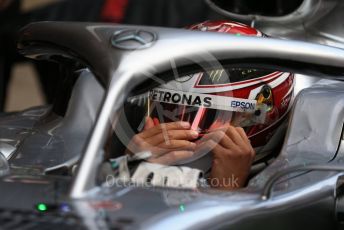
{"x": 180, "y": 98}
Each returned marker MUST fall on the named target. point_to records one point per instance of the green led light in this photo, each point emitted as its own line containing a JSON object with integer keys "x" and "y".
{"x": 42, "y": 207}
{"x": 114, "y": 164}
{"x": 238, "y": 34}
{"x": 181, "y": 208}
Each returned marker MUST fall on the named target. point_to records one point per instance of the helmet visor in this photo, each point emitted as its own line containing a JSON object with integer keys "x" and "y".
{"x": 203, "y": 111}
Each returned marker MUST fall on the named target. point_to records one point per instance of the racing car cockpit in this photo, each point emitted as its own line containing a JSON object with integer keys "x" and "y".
{"x": 256, "y": 100}
{"x": 129, "y": 77}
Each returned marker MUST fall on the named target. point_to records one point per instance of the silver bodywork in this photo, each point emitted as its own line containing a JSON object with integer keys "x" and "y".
{"x": 317, "y": 21}
{"x": 314, "y": 133}
{"x": 153, "y": 62}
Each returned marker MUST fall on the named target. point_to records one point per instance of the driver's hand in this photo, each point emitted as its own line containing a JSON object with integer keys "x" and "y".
{"x": 232, "y": 157}
{"x": 168, "y": 142}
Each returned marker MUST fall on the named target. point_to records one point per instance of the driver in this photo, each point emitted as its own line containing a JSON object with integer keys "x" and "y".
{"x": 218, "y": 121}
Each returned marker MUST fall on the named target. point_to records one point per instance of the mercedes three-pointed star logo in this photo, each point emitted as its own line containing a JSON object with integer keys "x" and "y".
{"x": 132, "y": 39}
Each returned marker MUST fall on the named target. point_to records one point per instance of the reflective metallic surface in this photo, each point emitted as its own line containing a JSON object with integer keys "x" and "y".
{"x": 296, "y": 57}
{"x": 314, "y": 133}
{"x": 318, "y": 21}
{"x": 132, "y": 39}
{"x": 40, "y": 139}
{"x": 122, "y": 73}
{"x": 6, "y": 149}
{"x": 4, "y": 168}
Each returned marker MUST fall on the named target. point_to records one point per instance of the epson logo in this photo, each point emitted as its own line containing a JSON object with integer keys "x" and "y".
{"x": 242, "y": 105}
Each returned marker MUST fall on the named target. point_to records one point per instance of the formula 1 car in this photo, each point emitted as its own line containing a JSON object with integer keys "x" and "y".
{"x": 52, "y": 156}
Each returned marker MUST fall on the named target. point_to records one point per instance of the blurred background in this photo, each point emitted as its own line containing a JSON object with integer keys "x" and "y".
{"x": 25, "y": 83}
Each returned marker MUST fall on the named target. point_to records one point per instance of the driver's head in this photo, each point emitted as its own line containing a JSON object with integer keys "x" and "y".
{"x": 257, "y": 100}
